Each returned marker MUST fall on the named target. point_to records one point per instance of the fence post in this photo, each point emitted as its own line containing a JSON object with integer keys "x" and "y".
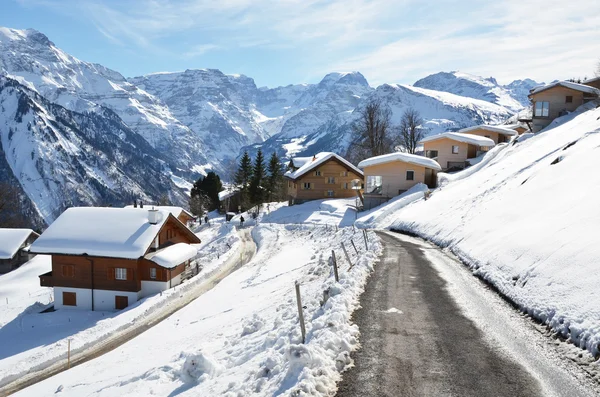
{"x": 365, "y": 236}
{"x": 347, "y": 256}
{"x": 352, "y": 241}
{"x": 68, "y": 353}
{"x": 335, "y": 268}
{"x": 300, "y": 313}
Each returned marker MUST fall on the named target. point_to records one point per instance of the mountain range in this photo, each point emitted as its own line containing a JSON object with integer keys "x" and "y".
{"x": 78, "y": 133}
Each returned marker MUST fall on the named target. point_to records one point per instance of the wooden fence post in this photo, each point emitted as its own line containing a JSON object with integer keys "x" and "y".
{"x": 365, "y": 236}
{"x": 352, "y": 241}
{"x": 335, "y": 268}
{"x": 347, "y": 256}
{"x": 300, "y": 313}
{"x": 68, "y": 353}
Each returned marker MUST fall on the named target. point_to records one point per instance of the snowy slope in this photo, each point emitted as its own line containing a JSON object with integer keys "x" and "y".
{"x": 242, "y": 338}
{"x": 80, "y": 86}
{"x": 512, "y": 96}
{"x": 527, "y": 221}
{"x": 63, "y": 158}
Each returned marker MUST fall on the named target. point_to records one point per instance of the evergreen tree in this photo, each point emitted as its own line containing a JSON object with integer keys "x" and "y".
{"x": 274, "y": 183}
{"x": 243, "y": 176}
{"x": 205, "y": 193}
{"x": 258, "y": 180}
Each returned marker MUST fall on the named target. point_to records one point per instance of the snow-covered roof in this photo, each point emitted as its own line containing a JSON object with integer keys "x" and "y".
{"x": 173, "y": 256}
{"x": 399, "y": 156}
{"x": 566, "y": 84}
{"x": 500, "y": 129}
{"x": 317, "y": 160}
{"x": 514, "y": 126}
{"x": 460, "y": 137}
{"x": 11, "y": 240}
{"x": 298, "y": 162}
{"x": 225, "y": 194}
{"x": 110, "y": 232}
{"x": 176, "y": 211}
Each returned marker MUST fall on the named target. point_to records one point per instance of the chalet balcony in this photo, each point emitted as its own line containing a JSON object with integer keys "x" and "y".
{"x": 46, "y": 280}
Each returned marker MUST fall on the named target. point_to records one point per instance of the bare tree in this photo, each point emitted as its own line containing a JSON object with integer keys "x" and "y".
{"x": 371, "y": 133}
{"x": 410, "y": 130}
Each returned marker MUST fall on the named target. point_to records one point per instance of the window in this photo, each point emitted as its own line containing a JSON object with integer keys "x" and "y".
{"x": 344, "y": 173}
{"x": 410, "y": 175}
{"x": 289, "y": 184}
{"x": 542, "y": 109}
{"x": 68, "y": 271}
{"x": 330, "y": 179}
{"x": 121, "y": 302}
{"x": 69, "y": 298}
{"x": 454, "y": 149}
{"x": 569, "y": 99}
{"x": 374, "y": 184}
{"x": 345, "y": 185}
{"x": 330, "y": 193}
{"x": 120, "y": 273}
{"x": 318, "y": 173}
{"x": 431, "y": 154}
{"x": 153, "y": 273}
{"x": 306, "y": 186}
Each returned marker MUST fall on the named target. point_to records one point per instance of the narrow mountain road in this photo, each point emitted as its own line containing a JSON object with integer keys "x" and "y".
{"x": 246, "y": 253}
{"x": 418, "y": 341}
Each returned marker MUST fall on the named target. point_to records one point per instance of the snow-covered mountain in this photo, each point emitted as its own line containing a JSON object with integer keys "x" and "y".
{"x": 512, "y": 96}
{"x": 63, "y": 158}
{"x": 32, "y": 59}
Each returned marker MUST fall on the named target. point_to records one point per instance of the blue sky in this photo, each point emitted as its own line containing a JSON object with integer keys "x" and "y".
{"x": 281, "y": 42}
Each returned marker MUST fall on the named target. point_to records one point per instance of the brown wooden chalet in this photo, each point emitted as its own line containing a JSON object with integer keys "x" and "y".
{"x": 108, "y": 258}
{"x": 14, "y": 247}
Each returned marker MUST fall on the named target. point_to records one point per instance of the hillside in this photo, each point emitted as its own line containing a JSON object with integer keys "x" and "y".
{"x": 525, "y": 219}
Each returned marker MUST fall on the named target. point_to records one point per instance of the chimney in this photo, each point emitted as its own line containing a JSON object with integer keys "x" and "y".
{"x": 153, "y": 215}
{"x": 314, "y": 157}
{"x": 134, "y": 203}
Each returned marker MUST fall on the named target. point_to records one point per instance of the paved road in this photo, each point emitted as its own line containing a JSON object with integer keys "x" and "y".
{"x": 246, "y": 253}
{"x": 430, "y": 348}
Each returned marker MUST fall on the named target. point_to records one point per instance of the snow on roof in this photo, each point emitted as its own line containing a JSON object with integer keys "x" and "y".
{"x": 173, "y": 255}
{"x": 300, "y": 161}
{"x": 176, "y": 211}
{"x": 225, "y": 194}
{"x": 591, "y": 80}
{"x": 513, "y": 126}
{"x": 11, "y": 240}
{"x": 110, "y": 232}
{"x": 566, "y": 84}
{"x": 317, "y": 160}
{"x": 500, "y": 129}
{"x": 399, "y": 156}
{"x": 459, "y": 137}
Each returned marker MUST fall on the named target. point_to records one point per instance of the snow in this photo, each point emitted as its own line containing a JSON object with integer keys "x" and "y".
{"x": 11, "y": 240}
{"x": 399, "y": 156}
{"x": 317, "y": 160}
{"x": 109, "y": 232}
{"x": 173, "y": 210}
{"x": 173, "y": 255}
{"x": 525, "y": 219}
{"x": 505, "y": 130}
{"x": 567, "y": 84}
{"x": 227, "y": 193}
{"x": 243, "y": 337}
{"x": 459, "y": 137}
{"x": 30, "y": 339}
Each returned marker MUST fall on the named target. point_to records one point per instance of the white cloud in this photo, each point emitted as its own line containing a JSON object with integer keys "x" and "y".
{"x": 199, "y": 50}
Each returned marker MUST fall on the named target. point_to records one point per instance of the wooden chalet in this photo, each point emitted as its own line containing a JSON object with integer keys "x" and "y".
{"x": 108, "y": 258}
{"x": 14, "y": 247}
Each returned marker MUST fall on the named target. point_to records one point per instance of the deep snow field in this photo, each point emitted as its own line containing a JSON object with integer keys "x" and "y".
{"x": 526, "y": 219}
{"x": 242, "y": 338}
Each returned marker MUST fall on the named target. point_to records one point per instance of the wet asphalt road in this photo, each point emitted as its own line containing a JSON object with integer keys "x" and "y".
{"x": 430, "y": 348}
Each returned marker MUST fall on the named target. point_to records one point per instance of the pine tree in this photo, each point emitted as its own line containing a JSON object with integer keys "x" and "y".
{"x": 243, "y": 175}
{"x": 205, "y": 193}
{"x": 258, "y": 179}
{"x": 274, "y": 183}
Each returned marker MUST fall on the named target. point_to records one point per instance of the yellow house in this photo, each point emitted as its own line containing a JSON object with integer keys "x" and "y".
{"x": 518, "y": 128}
{"x": 323, "y": 175}
{"x": 452, "y": 149}
{"x": 392, "y": 174}
{"x": 496, "y": 133}
{"x": 557, "y": 99}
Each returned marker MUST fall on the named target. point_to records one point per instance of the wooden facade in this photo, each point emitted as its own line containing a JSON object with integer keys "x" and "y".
{"x": 331, "y": 179}
{"x": 95, "y": 273}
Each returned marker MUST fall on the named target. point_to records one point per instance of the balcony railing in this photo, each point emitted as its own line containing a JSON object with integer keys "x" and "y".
{"x": 46, "y": 280}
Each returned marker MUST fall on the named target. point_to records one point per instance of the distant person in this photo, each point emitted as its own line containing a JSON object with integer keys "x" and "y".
{"x": 206, "y": 219}
{"x": 241, "y": 221}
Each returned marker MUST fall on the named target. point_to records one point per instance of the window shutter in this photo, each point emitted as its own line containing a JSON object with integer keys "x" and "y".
{"x": 129, "y": 273}
{"x": 111, "y": 273}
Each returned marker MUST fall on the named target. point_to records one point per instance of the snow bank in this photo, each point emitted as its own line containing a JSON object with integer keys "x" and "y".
{"x": 527, "y": 222}
{"x": 382, "y": 216}
{"x": 243, "y": 338}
